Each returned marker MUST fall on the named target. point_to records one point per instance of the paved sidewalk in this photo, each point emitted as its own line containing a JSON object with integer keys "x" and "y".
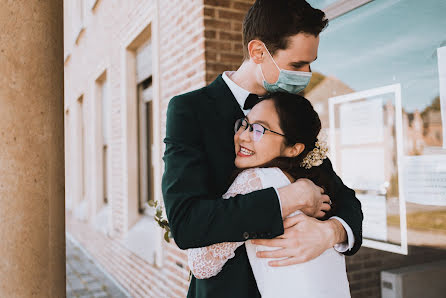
{"x": 85, "y": 278}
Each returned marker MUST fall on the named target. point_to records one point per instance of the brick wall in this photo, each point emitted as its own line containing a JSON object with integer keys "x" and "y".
{"x": 223, "y": 35}
{"x": 181, "y": 68}
{"x": 364, "y": 268}
{"x": 99, "y": 48}
{"x": 139, "y": 277}
{"x": 182, "y": 53}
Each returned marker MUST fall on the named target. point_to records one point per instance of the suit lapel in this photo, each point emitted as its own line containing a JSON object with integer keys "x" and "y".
{"x": 221, "y": 95}
{"x": 226, "y": 109}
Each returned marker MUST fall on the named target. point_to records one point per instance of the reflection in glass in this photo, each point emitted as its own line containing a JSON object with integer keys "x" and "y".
{"x": 379, "y": 44}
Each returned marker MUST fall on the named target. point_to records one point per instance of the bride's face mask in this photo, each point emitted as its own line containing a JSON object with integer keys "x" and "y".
{"x": 258, "y": 138}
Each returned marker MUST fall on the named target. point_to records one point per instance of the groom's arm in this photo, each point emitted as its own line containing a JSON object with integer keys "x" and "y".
{"x": 305, "y": 238}
{"x": 348, "y": 208}
{"x": 196, "y": 216}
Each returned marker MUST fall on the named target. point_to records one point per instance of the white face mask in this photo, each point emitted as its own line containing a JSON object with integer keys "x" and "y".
{"x": 289, "y": 81}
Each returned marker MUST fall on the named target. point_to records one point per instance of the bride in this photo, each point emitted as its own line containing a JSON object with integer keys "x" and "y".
{"x": 276, "y": 144}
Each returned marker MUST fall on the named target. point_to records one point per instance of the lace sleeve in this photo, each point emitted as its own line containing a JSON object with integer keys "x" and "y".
{"x": 205, "y": 262}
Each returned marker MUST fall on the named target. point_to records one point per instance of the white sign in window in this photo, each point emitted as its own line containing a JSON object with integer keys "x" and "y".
{"x": 375, "y": 216}
{"x": 425, "y": 179}
{"x": 363, "y": 169}
{"x": 361, "y": 122}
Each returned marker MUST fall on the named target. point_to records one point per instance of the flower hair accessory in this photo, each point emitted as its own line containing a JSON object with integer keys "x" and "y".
{"x": 315, "y": 157}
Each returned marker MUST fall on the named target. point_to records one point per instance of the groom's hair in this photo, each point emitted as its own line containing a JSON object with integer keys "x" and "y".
{"x": 274, "y": 21}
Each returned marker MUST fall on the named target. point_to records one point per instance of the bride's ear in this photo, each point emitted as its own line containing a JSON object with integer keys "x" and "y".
{"x": 294, "y": 150}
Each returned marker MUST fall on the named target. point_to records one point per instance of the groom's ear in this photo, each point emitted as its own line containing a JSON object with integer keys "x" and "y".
{"x": 255, "y": 50}
{"x": 294, "y": 150}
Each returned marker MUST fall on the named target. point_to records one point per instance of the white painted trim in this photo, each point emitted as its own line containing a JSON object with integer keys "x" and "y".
{"x": 400, "y": 155}
{"x": 384, "y": 246}
{"x": 149, "y": 19}
{"x": 66, "y": 58}
{"x": 82, "y": 21}
{"x": 342, "y": 7}
{"x": 396, "y": 89}
{"x": 124, "y": 45}
{"x": 92, "y": 4}
{"x": 157, "y": 98}
{"x": 96, "y": 124}
{"x": 124, "y": 128}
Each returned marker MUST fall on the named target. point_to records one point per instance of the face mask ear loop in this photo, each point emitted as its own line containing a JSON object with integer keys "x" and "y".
{"x": 271, "y": 57}
{"x": 261, "y": 71}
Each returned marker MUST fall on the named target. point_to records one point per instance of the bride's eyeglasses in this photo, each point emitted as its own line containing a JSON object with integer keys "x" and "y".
{"x": 257, "y": 129}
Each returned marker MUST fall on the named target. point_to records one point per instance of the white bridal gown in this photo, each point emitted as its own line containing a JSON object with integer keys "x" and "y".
{"x": 324, "y": 276}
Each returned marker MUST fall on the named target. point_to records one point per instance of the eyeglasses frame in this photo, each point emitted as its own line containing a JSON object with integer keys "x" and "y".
{"x": 251, "y": 128}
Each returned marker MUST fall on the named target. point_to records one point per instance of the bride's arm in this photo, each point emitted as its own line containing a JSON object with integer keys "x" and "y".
{"x": 208, "y": 261}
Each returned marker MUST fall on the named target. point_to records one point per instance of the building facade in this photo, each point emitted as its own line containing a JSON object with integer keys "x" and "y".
{"x": 124, "y": 61}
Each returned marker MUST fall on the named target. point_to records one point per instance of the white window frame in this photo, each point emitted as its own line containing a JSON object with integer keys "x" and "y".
{"x": 92, "y": 4}
{"x": 396, "y": 89}
{"x": 78, "y": 20}
{"x": 342, "y": 7}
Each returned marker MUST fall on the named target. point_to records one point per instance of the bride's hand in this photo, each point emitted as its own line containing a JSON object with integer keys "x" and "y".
{"x": 304, "y": 239}
{"x": 306, "y": 196}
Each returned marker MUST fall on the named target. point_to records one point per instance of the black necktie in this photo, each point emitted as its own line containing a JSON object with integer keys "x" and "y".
{"x": 251, "y": 101}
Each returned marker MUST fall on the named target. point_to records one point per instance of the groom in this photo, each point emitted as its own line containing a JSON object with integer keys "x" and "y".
{"x": 279, "y": 36}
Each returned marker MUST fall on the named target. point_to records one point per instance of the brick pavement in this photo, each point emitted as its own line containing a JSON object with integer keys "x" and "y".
{"x": 85, "y": 278}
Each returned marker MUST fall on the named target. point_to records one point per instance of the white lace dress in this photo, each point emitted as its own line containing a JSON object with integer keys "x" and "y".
{"x": 324, "y": 276}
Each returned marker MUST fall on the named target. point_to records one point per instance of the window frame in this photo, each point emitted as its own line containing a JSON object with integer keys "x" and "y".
{"x": 342, "y": 7}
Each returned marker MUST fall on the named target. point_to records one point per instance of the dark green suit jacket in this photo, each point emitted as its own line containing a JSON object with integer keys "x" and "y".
{"x": 199, "y": 161}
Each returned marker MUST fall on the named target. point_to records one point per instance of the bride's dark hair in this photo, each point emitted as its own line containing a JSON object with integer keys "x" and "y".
{"x": 300, "y": 124}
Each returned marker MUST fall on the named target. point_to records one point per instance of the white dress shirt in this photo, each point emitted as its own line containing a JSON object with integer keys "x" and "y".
{"x": 240, "y": 95}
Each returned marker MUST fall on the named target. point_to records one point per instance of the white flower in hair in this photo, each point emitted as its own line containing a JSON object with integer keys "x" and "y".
{"x": 316, "y": 156}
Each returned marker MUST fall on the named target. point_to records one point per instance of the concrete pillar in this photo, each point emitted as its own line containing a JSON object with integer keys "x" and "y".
{"x": 32, "y": 218}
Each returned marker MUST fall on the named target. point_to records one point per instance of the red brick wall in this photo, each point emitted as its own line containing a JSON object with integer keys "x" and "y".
{"x": 182, "y": 52}
{"x": 223, "y": 35}
{"x": 139, "y": 277}
{"x": 364, "y": 268}
{"x": 182, "y": 69}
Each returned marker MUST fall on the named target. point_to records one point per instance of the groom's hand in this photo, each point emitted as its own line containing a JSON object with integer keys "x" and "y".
{"x": 304, "y": 239}
{"x": 306, "y": 196}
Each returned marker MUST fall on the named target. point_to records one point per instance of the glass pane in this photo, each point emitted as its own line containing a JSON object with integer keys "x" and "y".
{"x": 385, "y": 43}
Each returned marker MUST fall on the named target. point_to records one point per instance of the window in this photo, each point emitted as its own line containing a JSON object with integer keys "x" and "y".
{"x": 102, "y": 158}
{"x": 105, "y": 137}
{"x": 146, "y": 168}
{"x": 82, "y": 147}
{"x": 393, "y": 43}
